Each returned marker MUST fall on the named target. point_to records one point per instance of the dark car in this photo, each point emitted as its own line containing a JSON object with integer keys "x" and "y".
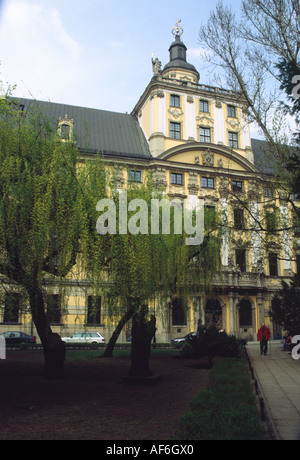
{"x": 185, "y": 338}
{"x": 13, "y": 337}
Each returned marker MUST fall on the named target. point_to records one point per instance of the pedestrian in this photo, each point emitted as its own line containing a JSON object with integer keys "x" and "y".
{"x": 263, "y": 336}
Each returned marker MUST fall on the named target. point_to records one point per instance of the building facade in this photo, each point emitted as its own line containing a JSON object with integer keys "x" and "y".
{"x": 196, "y": 141}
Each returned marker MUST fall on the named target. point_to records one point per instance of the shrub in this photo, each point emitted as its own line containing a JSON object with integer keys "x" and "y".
{"x": 211, "y": 342}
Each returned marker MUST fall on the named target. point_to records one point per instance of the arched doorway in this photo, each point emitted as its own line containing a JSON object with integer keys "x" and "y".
{"x": 213, "y": 313}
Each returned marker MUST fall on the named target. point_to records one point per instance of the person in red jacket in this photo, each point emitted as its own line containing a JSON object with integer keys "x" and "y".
{"x": 263, "y": 336}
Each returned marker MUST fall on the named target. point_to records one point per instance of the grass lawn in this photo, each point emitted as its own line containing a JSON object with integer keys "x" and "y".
{"x": 226, "y": 410}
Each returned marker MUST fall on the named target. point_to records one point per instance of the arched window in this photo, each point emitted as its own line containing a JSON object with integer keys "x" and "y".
{"x": 213, "y": 313}
{"x": 245, "y": 313}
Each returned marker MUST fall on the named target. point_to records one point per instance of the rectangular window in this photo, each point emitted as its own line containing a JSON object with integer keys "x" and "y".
{"x": 233, "y": 140}
{"x": 240, "y": 259}
{"x": 175, "y": 100}
{"x": 94, "y": 310}
{"x": 207, "y": 182}
{"x": 204, "y": 106}
{"x": 205, "y": 135}
{"x": 135, "y": 176}
{"x": 176, "y": 179}
{"x": 54, "y": 308}
{"x": 268, "y": 192}
{"x": 273, "y": 265}
{"x": 231, "y": 111}
{"x": 238, "y": 218}
{"x": 11, "y": 307}
{"x": 237, "y": 186}
{"x": 175, "y": 130}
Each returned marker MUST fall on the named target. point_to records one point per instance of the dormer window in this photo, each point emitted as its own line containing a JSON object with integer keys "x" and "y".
{"x": 65, "y": 128}
{"x": 65, "y": 132}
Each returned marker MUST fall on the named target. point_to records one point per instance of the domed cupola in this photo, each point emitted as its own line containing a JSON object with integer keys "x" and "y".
{"x": 178, "y": 67}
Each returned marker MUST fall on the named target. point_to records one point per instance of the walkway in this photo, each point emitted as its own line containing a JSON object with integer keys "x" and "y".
{"x": 278, "y": 376}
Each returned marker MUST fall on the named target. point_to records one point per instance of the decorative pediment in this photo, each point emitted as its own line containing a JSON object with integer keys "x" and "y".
{"x": 206, "y": 120}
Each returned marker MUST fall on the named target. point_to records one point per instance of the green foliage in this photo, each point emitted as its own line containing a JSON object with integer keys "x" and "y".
{"x": 144, "y": 266}
{"x": 47, "y": 208}
{"x": 226, "y": 410}
{"x": 285, "y": 308}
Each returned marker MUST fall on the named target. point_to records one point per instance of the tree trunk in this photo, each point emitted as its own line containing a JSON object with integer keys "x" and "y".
{"x": 142, "y": 334}
{"x": 54, "y": 354}
{"x": 53, "y": 347}
{"x": 111, "y": 344}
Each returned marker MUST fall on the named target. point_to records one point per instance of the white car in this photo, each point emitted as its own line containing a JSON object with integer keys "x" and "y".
{"x": 84, "y": 337}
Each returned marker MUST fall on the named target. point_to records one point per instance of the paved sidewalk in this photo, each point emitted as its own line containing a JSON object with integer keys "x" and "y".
{"x": 278, "y": 375}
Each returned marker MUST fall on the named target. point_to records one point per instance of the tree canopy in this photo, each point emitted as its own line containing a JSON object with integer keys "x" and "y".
{"x": 46, "y": 208}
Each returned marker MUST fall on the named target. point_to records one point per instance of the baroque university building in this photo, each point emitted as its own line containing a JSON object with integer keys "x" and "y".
{"x": 196, "y": 141}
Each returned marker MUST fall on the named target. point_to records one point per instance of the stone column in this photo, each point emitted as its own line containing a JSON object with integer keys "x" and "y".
{"x": 231, "y": 312}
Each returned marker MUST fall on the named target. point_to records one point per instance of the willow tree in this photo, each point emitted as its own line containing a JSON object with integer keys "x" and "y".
{"x": 45, "y": 214}
{"x": 150, "y": 264}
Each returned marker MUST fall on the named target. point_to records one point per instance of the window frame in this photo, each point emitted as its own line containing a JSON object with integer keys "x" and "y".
{"x": 54, "y": 310}
{"x": 231, "y": 109}
{"x": 135, "y": 172}
{"x": 176, "y": 176}
{"x": 241, "y": 259}
{"x": 235, "y": 187}
{"x": 203, "y": 136}
{"x": 204, "y": 104}
{"x": 207, "y": 180}
{"x": 175, "y": 130}
{"x": 238, "y": 218}
{"x": 233, "y": 142}
{"x": 175, "y": 101}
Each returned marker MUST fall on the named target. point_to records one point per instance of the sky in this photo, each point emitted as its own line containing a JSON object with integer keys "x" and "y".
{"x": 94, "y": 53}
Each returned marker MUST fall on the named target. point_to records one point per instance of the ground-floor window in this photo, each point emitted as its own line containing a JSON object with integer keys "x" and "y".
{"x": 245, "y": 310}
{"x": 178, "y": 313}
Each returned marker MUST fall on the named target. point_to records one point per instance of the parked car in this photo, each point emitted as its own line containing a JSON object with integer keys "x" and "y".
{"x": 84, "y": 337}
{"x": 15, "y": 337}
{"x": 179, "y": 340}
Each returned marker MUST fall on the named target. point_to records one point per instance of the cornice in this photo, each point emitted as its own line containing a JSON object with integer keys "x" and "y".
{"x": 191, "y": 89}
